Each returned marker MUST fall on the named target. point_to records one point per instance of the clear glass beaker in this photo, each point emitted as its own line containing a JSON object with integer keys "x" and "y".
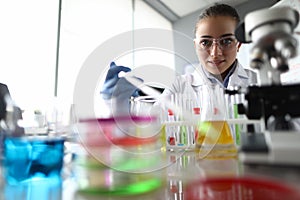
{"x": 142, "y": 106}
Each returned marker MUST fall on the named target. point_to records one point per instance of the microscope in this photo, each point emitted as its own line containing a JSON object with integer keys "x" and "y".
{"x": 277, "y": 105}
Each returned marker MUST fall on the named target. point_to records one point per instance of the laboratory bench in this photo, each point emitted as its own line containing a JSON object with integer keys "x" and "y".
{"x": 187, "y": 170}
{"x": 180, "y": 172}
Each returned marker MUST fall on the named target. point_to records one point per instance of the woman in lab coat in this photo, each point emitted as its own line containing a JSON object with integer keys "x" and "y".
{"x": 216, "y": 48}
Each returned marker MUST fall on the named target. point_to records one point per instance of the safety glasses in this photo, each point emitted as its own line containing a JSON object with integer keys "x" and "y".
{"x": 224, "y": 43}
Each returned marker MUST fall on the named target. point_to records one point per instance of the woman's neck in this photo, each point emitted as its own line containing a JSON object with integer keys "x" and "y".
{"x": 221, "y": 77}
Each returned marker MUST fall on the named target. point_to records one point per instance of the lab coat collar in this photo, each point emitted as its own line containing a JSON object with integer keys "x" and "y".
{"x": 241, "y": 72}
{"x": 200, "y": 77}
{"x": 239, "y": 77}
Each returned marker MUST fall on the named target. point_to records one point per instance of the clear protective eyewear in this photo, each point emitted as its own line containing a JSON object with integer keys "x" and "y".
{"x": 224, "y": 43}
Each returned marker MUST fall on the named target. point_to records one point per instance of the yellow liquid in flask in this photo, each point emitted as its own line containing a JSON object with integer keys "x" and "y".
{"x": 214, "y": 139}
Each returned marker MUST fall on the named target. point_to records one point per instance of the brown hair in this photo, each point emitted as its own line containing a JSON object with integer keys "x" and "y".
{"x": 218, "y": 10}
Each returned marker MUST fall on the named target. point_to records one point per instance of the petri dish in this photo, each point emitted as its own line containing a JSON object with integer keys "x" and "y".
{"x": 240, "y": 188}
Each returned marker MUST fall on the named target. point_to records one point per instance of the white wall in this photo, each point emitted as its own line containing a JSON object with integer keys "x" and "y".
{"x": 87, "y": 25}
{"x": 28, "y": 40}
{"x": 27, "y": 48}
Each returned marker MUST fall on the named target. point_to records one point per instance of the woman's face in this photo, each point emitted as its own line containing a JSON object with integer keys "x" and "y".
{"x": 215, "y": 43}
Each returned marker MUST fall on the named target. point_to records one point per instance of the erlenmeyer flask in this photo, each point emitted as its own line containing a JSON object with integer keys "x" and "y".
{"x": 214, "y": 138}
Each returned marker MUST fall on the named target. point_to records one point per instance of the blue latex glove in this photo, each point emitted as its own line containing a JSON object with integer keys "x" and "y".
{"x": 117, "y": 87}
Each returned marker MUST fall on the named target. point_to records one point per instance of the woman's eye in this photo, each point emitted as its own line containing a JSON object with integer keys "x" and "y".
{"x": 226, "y": 41}
{"x": 206, "y": 43}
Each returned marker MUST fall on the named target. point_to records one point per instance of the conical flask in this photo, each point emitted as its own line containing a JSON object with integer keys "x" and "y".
{"x": 214, "y": 138}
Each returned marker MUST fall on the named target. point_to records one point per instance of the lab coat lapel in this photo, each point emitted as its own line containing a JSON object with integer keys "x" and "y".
{"x": 239, "y": 77}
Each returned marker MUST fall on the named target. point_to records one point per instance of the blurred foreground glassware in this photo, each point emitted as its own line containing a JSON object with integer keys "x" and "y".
{"x": 95, "y": 178}
{"x": 236, "y": 188}
{"x": 121, "y": 155}
{"x": 35, "y": 189}
{"x": 32, "y": 167}
{"x": 32, "y": 157}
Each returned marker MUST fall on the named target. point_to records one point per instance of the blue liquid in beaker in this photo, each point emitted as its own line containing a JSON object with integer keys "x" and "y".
{"x": 28, "y": 158}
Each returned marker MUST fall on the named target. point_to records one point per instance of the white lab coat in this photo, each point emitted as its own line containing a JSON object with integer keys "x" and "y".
{"x": 191, "y": 82}
{"x": 185, "y": 84}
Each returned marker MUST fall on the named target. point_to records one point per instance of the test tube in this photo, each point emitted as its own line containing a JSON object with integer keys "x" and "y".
{"x": 171, "y": 131}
